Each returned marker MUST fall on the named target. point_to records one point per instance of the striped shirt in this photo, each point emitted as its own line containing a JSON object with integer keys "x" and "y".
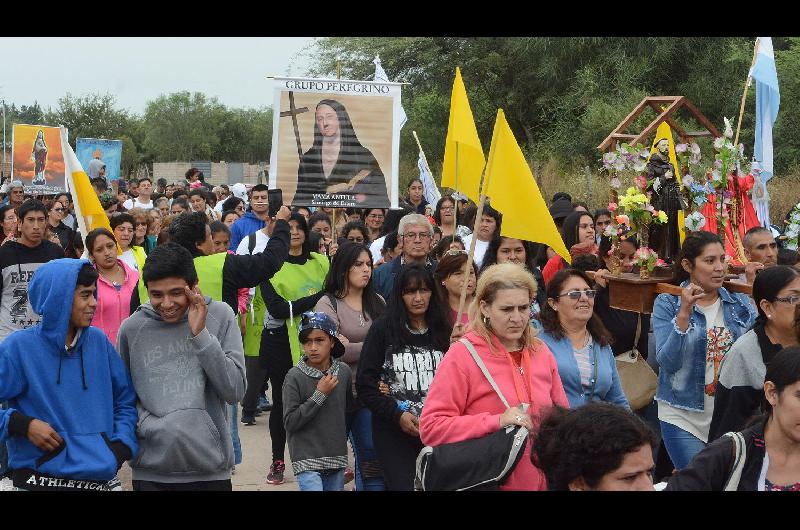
{"x": 585, "y": 362}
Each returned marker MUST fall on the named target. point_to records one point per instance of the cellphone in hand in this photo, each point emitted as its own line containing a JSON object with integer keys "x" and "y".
{"x": 275, "y": 198}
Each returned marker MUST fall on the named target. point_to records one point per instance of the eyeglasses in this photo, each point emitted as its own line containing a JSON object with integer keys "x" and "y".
{"x": 356, "y": 239}
{"x": 576, "y": 294}
{"x": 240, "y": 207}
{"x": 417, "y": 235}
{"x": 793, "y": 300}
{"x": 446, "y": 209}
{"x": 141, "y": 223}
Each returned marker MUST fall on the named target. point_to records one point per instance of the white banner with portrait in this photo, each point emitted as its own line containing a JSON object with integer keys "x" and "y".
{"x": 336, "y": 142}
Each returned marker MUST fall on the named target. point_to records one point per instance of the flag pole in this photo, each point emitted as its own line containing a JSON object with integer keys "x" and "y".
{"x": 473, "y": 240}
{"x": 455, "y": 206}
{"x": 744, "y": 96}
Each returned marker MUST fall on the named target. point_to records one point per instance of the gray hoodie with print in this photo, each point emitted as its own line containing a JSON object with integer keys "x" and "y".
{"x": 183, "y": 385}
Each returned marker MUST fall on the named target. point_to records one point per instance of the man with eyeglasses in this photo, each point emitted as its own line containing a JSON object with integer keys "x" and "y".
{"x": 16, "y": 194}
{"x": 417, "y": 234}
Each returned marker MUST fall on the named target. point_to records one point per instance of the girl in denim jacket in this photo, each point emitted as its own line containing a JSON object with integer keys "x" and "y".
{"x": 693, "y": 333}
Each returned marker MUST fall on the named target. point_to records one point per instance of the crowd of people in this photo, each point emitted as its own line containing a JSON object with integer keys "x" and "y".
{"x": 162, "y": 344}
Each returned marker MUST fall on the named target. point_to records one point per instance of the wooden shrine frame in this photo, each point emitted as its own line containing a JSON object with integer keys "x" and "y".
{"x": 674, "y": 103}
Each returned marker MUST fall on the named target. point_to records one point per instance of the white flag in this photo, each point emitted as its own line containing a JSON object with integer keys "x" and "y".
{"x": 380, "y": 75}
{"x": 429, "y": 188}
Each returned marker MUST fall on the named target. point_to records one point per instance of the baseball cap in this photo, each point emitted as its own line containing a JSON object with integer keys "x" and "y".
{"x": 560, "y": 209}
{"x": 317, "y": 320}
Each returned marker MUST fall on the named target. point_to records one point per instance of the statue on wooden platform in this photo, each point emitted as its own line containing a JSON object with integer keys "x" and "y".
{"x": 664, "y": 238}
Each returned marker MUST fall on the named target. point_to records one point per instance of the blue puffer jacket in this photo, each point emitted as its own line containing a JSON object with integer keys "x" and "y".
{"x": 682, "y": 355}
{"x": 607, "y": 386}
{"x": 84, "y": 393}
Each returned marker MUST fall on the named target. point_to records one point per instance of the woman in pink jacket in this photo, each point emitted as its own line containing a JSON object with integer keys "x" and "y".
{"x": 115, "y": 285}
{"x": 461, "y": 404}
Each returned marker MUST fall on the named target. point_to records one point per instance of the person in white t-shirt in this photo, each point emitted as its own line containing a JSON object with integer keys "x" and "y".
{"x": 143, "y": 200}
{"x": 693, "y": 333}
{"x": 488, "y": 230}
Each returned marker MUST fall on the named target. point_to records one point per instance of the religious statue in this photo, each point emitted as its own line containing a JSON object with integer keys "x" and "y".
{"x": 664, "y": 238}
{"x": 39, "y": 156}
{"x": 337, "y": 163}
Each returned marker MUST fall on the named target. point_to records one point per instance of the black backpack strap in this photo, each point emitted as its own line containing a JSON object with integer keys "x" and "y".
{"x": 251, "y": 243}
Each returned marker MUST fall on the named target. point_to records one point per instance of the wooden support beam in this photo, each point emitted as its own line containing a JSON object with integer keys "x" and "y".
{"x": 675, "y": 105}
{"x": 608, "y": 143}
{"x": 702, "y": 119}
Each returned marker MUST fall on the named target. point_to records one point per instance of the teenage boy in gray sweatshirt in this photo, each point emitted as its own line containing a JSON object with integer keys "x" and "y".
{"x": 184, "y": 352}
{"x": 316, "y": 395}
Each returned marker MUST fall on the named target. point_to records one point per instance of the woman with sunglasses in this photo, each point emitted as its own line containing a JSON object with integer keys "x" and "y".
{"x": 579, "y": 341}
{"x": 776, "y": 292}
{"x": 445, "y": 216}
{"x": 694, "y": 332}
{"x": 141, "y": 227}
{"x": 55, "y": 217}
{"x": 373, "y": 218}
{"x": 355, "y": 232}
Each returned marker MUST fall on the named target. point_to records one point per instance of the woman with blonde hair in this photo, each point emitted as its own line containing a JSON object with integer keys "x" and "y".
{"x": 462, "y": 405}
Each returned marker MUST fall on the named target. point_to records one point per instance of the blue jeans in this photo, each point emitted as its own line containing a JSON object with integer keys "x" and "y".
{"x": 327, "y": 480}
{"x": 237, "y": 444}
{"x": 364, "y": 452}
{"x": 681, "y": 446}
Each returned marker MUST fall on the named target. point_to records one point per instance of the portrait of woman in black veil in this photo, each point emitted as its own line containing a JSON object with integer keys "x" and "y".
{"x": 337, "y": 163}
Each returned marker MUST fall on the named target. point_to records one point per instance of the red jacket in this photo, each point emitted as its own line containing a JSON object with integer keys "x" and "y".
{"x": 461, "y": 404}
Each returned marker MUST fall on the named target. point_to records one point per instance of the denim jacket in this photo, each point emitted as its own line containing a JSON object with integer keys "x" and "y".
{"x": 682, "y": 355}
{"x": 605, "y": 379}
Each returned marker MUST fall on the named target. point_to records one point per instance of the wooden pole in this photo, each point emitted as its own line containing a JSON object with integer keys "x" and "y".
{"x": 455, "y": 208}
{"x": 744, "y": 95}
{"x": 470, "y": 257}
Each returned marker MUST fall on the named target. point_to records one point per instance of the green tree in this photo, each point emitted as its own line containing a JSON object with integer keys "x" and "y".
{"x": 89, "y": 116}
{"x": 183, "y": 126}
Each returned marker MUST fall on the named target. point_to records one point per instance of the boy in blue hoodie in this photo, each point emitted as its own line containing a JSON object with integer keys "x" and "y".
{"x": 71, "y": 420}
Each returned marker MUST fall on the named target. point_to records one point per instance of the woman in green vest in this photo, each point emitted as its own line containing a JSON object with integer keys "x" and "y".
{"x": 295, "y": 288}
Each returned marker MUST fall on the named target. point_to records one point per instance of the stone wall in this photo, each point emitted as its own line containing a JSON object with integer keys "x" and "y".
{"x": 173, "y": 171}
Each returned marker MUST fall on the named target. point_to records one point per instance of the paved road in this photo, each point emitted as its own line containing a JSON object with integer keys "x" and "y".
{"x": 256, "y": 457}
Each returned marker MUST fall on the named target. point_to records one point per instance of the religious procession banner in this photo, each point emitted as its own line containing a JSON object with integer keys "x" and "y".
{"x": 37, "y": 159}
{"x": 100, "y": 158}
{"x": 336, "y": 142}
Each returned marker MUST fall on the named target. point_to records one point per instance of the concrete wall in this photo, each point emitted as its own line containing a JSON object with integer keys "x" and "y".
{"x": 173, "y": 171}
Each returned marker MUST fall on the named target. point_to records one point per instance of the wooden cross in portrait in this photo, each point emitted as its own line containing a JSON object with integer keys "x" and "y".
{"x": 293, "y": 112}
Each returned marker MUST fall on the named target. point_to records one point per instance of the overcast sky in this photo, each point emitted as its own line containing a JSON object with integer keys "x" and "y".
{"x": 139, "y": 69}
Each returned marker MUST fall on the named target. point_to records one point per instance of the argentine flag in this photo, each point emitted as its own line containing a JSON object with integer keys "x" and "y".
{"x": 768, "y": 100}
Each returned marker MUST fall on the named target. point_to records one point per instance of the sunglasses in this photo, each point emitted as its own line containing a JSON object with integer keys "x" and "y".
{"x": 576, "y": 294}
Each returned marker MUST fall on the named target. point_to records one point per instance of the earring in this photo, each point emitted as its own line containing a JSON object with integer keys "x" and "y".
{"x": 769, "y": 316}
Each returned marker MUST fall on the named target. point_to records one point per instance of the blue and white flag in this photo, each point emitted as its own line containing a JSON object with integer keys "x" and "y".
{"x": 768, "y": 101}
{"x": 429, "y": 187}
{"x": 380, "y": 75}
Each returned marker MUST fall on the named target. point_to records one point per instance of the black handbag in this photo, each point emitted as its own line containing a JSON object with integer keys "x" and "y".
{"x": 478, "y": 464}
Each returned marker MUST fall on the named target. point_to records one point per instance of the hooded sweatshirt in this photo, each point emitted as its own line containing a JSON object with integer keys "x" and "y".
{"x": 17, "y": 265}
{"x": 84, "y": 393}
{"x": 184, "y": 385}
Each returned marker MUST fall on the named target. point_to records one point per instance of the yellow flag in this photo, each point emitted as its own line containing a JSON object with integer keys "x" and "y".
{"x": 513, "y": 191}
{"x": 463, "y": 154}
{"x": 88, "y": 211}
{"x": 664, "y": 131}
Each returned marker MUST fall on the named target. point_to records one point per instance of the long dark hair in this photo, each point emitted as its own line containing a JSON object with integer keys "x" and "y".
{"x": 308, "y": 247}
{"x": 569, "y": 230}
{"x": 783, "y": 370}
{"x": 396, "y": 317}
{"x": 450, "y": 264}
{"x": 490, "y": 258}
{"x": 692, "y": 247}
{"x": 767, "y": 285}
{"x": 549, "y": 317}
{"x": 336, "y": 281}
